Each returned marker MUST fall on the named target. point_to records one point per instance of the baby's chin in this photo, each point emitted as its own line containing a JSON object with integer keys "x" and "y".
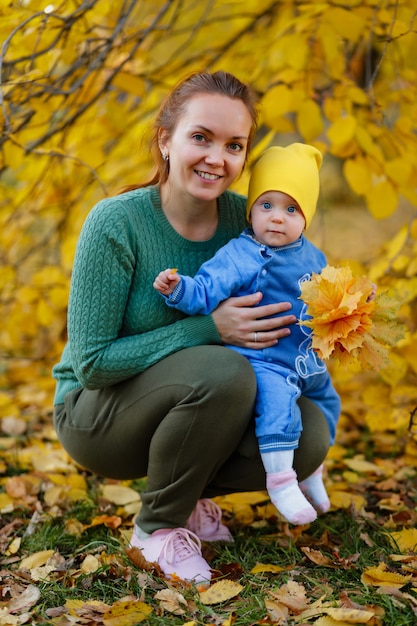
{"x": 275, "y": 239}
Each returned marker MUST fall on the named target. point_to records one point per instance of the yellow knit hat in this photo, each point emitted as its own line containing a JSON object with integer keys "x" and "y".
{"x": 293, "y": 170}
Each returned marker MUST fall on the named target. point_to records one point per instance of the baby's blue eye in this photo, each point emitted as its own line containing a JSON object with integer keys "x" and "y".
{"x": 292, "y": 209}
{"x": 266, "y": 205}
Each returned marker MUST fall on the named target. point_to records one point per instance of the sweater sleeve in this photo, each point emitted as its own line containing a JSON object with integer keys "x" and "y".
{"x": 104, "y": 265}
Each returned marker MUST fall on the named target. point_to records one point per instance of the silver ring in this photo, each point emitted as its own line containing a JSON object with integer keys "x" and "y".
{"x": 255, "y": 337}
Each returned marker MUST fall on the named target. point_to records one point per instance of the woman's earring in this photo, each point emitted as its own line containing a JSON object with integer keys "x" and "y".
{"x": 165, "y": 156}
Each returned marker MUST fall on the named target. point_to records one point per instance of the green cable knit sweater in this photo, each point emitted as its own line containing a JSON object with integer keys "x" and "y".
{"x": 118, "y": 325}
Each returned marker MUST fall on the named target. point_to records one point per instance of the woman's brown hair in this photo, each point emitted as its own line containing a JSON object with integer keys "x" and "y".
{"x": 174, "y": 105}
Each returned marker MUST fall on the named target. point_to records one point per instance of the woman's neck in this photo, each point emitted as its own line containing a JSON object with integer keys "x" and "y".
{"x": 193, "y": 219}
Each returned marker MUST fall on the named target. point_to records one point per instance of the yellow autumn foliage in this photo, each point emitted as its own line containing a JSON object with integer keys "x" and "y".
{"x": 80, "y": 84}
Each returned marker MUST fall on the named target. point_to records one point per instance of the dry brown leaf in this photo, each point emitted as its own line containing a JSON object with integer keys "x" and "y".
{"x": 26, "y": 600}
{"x": 293, "y": 595}
{"x": 137, "y": 558}
{"x": 277, "y": 612}
{"x": 171, "y": 601}
{"x": 319, "y": 558}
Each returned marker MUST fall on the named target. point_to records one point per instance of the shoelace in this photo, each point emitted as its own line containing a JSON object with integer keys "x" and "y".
{"x": 211, "y": 511}
{"x": 180, "y": 545}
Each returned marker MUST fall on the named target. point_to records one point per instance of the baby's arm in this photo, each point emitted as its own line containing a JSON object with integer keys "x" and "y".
{"x": 166, "y": 281}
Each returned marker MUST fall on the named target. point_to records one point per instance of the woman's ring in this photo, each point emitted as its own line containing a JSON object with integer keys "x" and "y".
{"x": 255, "y": 337}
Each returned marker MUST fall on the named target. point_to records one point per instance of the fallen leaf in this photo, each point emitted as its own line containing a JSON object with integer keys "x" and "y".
{"x": 136, "y": 556}
{"x": 380, "y": 577}
{"x": 293, "y": 595}
{"x": 261, "y": 568}
{"x": 8, "y": 620}
{"x": 118, "y": 494}
{"x": 220, "y": 592}
{"x": 13, "y": 426}
{"x": 319, "y": 558}
{"x": 126, "y": 613}
{"x": 14, "y": 546}
{"x": 360, "y": 465}
{"x": 345, "y": 499}
{"x": 351, "y": 616}
{"x": 277, "y": 612}
{"x": 26, "y": 600}
{"x": 6, "y": 503}
{"x": 405, "y": 539}
{"x": 171, "y": 601}
{"x": 90, "y": 564}
{"x": 111, "y": 521}
{"x": 36, "y": 559}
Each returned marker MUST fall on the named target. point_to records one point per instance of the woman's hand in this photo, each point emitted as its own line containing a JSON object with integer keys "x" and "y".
{"x": 241, "y": 323}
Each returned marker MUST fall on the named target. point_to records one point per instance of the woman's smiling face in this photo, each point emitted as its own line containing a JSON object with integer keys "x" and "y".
{"x": 208, "y": 148}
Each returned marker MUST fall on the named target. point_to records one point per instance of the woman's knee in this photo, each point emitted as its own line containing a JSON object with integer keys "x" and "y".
{"x": 228, "y": 371}
{"x": 228, "y": 384}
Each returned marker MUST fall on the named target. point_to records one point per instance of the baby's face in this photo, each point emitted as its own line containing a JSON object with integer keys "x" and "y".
{"x": 276, "y": 219}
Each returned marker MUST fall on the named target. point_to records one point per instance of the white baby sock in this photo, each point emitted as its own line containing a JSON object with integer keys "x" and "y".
{"x": 315, "y": 491}
{"x": 283, "y": 489}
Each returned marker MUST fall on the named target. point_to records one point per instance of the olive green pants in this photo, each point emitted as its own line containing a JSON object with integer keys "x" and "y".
{"x": 187, "y": 424}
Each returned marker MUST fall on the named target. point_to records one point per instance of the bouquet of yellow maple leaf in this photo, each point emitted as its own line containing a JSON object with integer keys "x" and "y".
{"x": 348, "y": 321}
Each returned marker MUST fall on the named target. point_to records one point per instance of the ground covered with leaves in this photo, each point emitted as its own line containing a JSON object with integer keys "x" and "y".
{"x": 65, "y": 557}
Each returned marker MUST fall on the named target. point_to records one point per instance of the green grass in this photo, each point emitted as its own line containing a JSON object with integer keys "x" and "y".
{"x": 355, "y": 543}
{"x": 335, "y": 533}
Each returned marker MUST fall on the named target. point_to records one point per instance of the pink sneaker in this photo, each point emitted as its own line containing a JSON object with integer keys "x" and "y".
{"x": 205, "y": 522}
{"x": 177, "y": 551}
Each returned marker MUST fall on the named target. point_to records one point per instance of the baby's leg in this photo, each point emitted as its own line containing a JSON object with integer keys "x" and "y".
{"x": 283, "y": 488}
{"x": 315, "y": 491}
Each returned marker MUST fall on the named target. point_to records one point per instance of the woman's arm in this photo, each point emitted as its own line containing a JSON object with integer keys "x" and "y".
{"x": 102, "y": 354}
{"x": 238, "y": 319}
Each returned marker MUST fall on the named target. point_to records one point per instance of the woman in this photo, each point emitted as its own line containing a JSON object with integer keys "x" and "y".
{"x": 143, "y": 390}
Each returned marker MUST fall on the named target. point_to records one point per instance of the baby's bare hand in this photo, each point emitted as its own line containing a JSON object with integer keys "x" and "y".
{"x": 166, "y": 281}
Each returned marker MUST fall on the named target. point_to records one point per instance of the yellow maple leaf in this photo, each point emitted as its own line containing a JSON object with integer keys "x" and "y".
{"x": 348, "y": 323}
